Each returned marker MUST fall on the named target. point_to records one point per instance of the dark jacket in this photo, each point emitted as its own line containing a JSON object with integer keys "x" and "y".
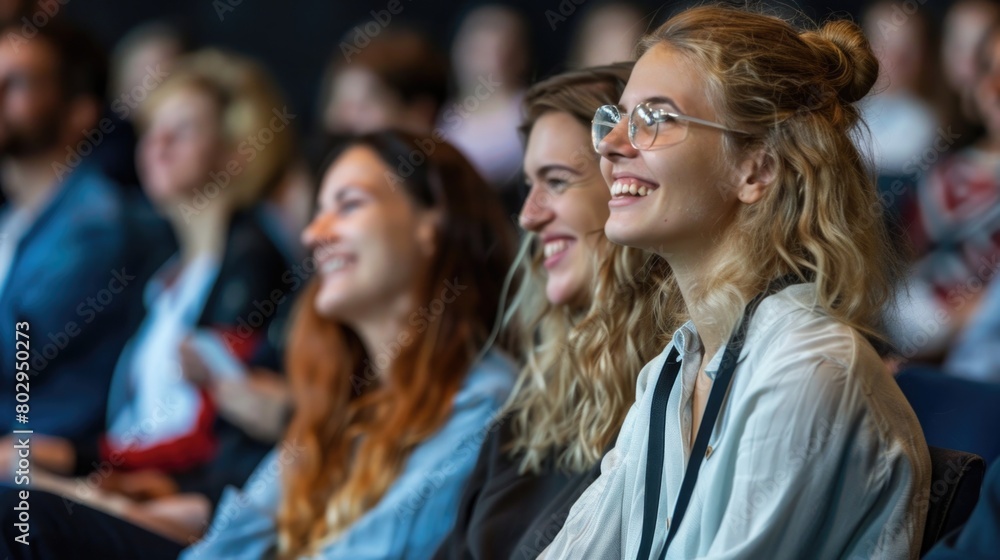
{"x": 506, "y": 515}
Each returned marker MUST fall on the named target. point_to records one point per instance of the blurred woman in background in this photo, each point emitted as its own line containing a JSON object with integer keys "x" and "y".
{"x": 585, "y": 311}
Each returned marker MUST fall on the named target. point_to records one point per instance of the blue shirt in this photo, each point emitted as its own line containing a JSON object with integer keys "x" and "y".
{"x": 74, "y": 279}
{"x": 413, "y": 516}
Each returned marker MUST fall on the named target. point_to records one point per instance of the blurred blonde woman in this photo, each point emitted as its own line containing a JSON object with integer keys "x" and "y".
{"x": 584, "y": 309}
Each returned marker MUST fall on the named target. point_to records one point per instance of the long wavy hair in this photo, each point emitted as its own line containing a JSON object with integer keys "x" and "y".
{"x": 357, "y": 428}
{"x": 795, "y": 91}
{"x": 581, "y": 364}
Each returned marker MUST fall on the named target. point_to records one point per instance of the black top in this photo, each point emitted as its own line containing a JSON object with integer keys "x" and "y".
{"x": 504, "y": 515}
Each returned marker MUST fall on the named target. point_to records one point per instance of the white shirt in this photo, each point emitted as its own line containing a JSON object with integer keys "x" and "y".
{"x": 159, "y": 404}
{"x": 815, "y": 454}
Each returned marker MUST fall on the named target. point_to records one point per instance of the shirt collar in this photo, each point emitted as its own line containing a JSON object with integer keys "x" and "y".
{"x": 688, "y": 343}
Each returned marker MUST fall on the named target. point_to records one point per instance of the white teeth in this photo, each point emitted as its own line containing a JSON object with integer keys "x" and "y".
{"x": 553, "y": 247}
{"x": 621, "y": 188}
{"x": 334, "y": 265}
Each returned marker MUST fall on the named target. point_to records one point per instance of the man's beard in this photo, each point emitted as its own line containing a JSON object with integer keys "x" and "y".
{"x": 21, "y": 141}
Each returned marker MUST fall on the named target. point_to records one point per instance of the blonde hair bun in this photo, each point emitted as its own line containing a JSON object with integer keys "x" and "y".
{"x": 843, "y": 49}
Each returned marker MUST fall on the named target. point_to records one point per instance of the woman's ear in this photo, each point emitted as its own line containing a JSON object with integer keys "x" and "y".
{"x": 429, "y": 223}
{"x": 755, "y": 175}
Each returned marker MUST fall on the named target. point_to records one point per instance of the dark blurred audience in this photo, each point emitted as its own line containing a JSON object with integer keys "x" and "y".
{"x": 954, "y": 228}
{"x": 491, "y": 58}
{"x": 399, "y": 80}
{"x": 216, "y": 136}
{"x": 74, "y": 253}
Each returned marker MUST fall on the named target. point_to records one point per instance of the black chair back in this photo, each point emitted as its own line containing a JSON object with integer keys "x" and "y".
{"x": 956, "y": 478}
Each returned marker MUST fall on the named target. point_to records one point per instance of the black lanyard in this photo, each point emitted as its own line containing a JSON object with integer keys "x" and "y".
{"x": 657, "y": 422}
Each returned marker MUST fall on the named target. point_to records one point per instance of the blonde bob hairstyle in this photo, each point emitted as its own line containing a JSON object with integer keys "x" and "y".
{"x": 795, "y": 92}
{"x": 248, "y": 104}
{"x": 578, "y": 380}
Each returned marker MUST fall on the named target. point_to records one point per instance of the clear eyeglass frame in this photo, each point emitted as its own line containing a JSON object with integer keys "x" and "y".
{"x": 644, "y": 126}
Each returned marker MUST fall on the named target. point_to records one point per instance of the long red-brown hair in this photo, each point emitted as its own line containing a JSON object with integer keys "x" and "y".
{"x": 357, "y": 428}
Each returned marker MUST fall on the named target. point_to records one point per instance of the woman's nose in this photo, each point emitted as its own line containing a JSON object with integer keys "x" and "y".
{"x": 319, "y": 231}
{"x": 537, "y": 210}
{"x": 617, "y": 143}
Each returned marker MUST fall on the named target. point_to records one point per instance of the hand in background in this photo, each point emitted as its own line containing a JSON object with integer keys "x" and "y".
{"x": 140, "y": 485}
{"x": 193, "y": 368}
{"x": 258, "y": 404}
{"x": 55, "y": 454}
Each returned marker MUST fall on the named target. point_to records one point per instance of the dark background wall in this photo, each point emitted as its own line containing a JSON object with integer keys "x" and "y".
{"x": 296, "y": 37}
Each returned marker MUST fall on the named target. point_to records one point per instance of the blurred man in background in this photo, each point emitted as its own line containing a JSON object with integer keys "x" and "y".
{"x": 70, "y": 271}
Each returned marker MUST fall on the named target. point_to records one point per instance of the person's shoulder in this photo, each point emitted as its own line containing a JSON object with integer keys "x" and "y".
{"x": 490, "y": 378}
{"x": 92, "y": 197}
{"x": 797, "y": 336}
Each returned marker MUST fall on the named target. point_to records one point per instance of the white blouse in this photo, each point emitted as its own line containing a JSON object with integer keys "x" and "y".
{"x": 815, "y": 454}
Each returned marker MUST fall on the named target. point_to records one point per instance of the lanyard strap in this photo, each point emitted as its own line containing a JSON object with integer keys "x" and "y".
{"x": 657, "y": 422}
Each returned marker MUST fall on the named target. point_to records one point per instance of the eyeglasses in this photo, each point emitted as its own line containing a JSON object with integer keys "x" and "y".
{"x": 649, "y": 127}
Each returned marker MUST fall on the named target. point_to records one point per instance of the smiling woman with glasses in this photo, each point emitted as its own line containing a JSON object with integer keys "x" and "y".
{"x": 768, "y": 427}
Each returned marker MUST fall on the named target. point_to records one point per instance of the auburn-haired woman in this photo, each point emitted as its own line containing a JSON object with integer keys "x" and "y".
{"x": 768, "y": 427}
{"x": 393, "y": 391}
{"x": 582, "y": 311}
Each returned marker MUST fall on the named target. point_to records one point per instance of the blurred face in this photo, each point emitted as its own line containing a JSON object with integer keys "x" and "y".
{"x": 182, "y": 145}
{"x": 567, "y": 205}
{"x": 988, "y": 89}
{"x": 489, "y": 44}
{"x": 964, "y": 29}
{"x": 899, "y": 49}
{"x": 31, "y": 104}
{"x": 689, "y": 196}
{"x": 360, "y": 103}
{"x": 371, "y": 242}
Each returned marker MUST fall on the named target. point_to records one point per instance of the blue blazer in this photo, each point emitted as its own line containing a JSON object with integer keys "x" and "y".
{"x": 76, "y": 279}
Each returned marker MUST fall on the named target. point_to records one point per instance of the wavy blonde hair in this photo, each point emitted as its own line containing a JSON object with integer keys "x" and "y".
{"x": 795, "y": 92}
{"x": 578, "y": 380}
